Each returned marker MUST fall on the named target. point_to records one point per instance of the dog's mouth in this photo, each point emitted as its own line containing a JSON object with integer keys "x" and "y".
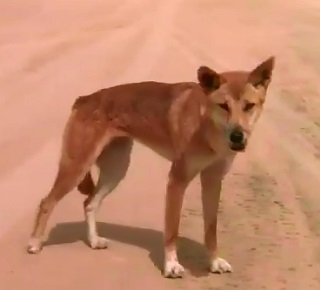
{"x": 238, "y": 147}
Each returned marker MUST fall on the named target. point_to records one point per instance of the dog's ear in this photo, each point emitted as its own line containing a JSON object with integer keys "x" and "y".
{"x": 209, "y": 79}
{"x": 261, "y": 75}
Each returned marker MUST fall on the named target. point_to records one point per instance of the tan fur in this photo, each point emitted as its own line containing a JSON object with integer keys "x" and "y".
{"x": 189, "y": 124}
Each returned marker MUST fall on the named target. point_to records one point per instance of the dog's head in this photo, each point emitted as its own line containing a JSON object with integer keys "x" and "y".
{"x": 235, "y": 100}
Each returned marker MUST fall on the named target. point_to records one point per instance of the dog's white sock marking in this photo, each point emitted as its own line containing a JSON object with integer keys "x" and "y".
{"x": 104, "y": 187}
{"x": 172, "y": 268}
{"x": 34, "y": 246}
{"x": 98, "y": 242}
{"x": 220, "y": 265}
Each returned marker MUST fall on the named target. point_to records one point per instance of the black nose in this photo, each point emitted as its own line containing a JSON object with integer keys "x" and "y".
{"x": 236, "y": 136}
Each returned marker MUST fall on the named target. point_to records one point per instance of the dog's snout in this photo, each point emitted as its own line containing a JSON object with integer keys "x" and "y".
{"x": 236, "y": 136}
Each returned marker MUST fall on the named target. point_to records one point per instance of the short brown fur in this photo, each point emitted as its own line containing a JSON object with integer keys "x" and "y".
{"x": 199, "y": 127}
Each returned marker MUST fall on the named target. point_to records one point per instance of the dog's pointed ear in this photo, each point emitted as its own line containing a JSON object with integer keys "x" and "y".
{"x": 261, "y": 75}
{"x": 209, "y": 79}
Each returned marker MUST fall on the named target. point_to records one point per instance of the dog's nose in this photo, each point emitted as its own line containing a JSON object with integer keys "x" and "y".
{"x": 236, "y": 136}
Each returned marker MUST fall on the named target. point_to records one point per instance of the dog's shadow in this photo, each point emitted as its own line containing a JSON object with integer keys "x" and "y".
{"x": 191, "y": 253}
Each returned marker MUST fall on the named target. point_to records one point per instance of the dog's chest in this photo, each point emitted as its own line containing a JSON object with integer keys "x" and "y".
{"x": 197, "y": 163}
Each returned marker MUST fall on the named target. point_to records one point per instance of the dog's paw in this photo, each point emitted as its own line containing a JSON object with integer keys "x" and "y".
{"x": 98, "y": 243}
{"x": 173, "y": 269}
{"x": 220, "y": 266}
{"x": 34, "y": 246}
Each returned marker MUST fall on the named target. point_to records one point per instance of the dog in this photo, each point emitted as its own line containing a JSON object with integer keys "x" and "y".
{"x": 198, "y": 126}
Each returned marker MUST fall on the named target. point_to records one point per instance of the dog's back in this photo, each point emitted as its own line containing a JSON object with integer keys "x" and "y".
{"x": 141, "y": 109}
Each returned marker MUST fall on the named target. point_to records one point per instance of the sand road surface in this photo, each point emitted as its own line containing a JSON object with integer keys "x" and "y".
{"x": 269, "y": 221}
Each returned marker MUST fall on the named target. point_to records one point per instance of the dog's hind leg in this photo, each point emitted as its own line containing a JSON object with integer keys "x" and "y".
{"x": 113, "y": 163}
{"x": 83, "y": 141}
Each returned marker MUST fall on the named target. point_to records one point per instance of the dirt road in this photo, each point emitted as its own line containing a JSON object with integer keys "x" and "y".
{"x": 269, "y": 229}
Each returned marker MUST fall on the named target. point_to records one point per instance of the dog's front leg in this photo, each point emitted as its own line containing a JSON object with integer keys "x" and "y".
{"x": 176, "y": 187}
{"x": 211, "y": 179}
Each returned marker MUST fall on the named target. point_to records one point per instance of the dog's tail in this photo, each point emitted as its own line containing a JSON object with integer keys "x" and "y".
{"x": 87, "y": 185}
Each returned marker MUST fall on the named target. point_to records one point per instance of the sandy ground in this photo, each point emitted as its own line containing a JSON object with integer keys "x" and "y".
{"x": 269, "y": 229}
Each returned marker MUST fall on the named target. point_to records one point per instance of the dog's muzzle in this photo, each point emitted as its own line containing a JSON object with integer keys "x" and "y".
{"x": 237, "y": 140}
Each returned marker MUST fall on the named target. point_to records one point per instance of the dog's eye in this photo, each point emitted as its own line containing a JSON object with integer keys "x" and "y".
{"x": 224, "y": 106}
{"x": 248, "y": 107}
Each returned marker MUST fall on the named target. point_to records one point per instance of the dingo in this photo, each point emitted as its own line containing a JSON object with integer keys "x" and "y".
{"x": 199, "y": 127}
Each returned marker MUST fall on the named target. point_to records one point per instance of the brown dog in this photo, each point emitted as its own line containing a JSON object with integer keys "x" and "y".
{"x": 198, "y": 127}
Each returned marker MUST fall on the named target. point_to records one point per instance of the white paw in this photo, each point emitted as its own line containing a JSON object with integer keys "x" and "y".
{"x": 99, "y": 243}
{"x": 220, "y": 265}
{"x": 173, "y": 269}
{"x": 34, "y": 246}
